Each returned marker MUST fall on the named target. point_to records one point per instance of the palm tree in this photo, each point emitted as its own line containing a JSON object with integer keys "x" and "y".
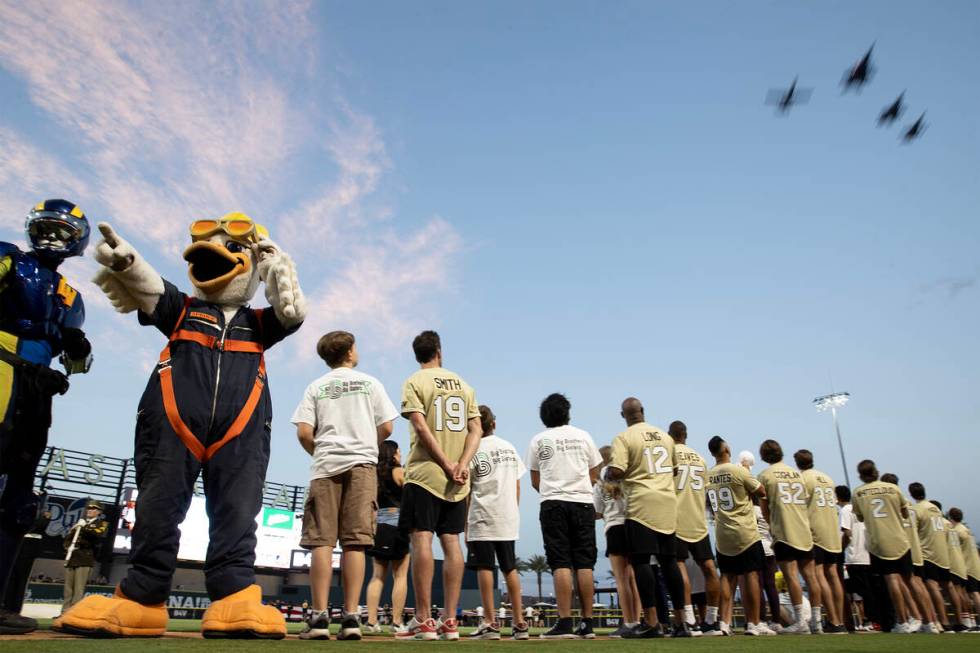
{"x": 537, "y": 564}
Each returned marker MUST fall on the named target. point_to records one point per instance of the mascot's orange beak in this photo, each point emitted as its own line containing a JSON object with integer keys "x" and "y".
{"x": 212, "y": 266}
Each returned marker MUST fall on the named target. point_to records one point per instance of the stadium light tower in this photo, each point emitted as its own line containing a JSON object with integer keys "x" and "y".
{"x": 832, "y": 402}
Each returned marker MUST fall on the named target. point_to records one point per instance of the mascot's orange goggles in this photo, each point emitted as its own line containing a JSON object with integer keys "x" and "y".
{"x": 235, "y": 225}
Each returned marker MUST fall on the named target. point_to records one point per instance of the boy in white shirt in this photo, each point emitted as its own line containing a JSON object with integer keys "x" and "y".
{"x": 493, "y": 523}
{"x": 340, "y": 421}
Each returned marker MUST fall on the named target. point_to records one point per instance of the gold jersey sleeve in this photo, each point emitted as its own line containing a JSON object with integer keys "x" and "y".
{"x": 912, "y": 532}
{"x": 969, "y": 547}
{"x": 879, "y": 505}
{"x": 729, "y": 492}
{"x": 447, "y": 403}
{"x": 957, "y": 561}
{"x": 822, "y": 510}
{"x": 692, "y": 524}
{"x": 932, "y": 533}
{"x": 786, "y": 493}
{"x": 645, "y": 454}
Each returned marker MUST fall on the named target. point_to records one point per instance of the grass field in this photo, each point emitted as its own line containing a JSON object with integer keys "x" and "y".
{"x": 182, "y": 636}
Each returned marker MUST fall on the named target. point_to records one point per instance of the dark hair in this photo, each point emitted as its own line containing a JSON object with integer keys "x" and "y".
{"x": 866, "y": 469}
{"x": 487, "y": 419}
{"x": 715, "y": 444}
{"x": 770, "y": 452}
{"x": 426, "y": 345}
{"x": 334, "y": 347}
{"x": 804, "y": 459}
{"x": 888, "y": 477}
{"x": 386, "y": 459}
{"x": 956, "y": 514}
{"x": 676, "y": 429}
{"x": 843, "y": 493}
{"x": 917, "y": 490}
{"x": 937, "y": 504}
{"x": 555, "y": 410}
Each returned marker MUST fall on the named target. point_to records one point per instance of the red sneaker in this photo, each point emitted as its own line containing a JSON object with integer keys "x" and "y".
{"x": 448, "y": 629}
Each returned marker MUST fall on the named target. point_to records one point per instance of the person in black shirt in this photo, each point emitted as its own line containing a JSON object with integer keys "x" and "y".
{"x": 390, "y": 550}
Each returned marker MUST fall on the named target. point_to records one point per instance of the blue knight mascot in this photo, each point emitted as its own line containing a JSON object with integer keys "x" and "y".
{"x": 206, "y": 410}
{"x": 41, "y": 317}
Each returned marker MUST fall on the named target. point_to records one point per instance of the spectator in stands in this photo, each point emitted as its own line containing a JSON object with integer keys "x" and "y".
{"x": 341, "y": 420}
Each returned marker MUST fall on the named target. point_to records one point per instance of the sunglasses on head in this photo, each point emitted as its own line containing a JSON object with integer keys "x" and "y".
{"x": 234, "y": 227}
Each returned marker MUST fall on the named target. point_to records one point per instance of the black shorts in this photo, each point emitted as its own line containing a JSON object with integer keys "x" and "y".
{"x": 858, "y": 580}
{"x": 699, "y": 598}
{"x": 972, "y": 585}
{"x": 568, "y": 531}
{"x": 822, "y": 556}
{"x": 390, "y": 543}
{"x": 644, "y": 542}
{"x": 784, "y": 552}
{"x": 935, "y": 572}
{"x": 901, "y": 565}
{"x": 616, "y": 543}
{"x": 957, "y": 580}
{"x": 919, "y": 570}
{"x": 700, "y": 550}
{"x": 751, "y": 559}
{"x": 423, "y": 511}
{"x": 480, "y": 555}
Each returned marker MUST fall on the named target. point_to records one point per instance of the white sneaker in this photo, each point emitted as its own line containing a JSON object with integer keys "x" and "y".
{"x": 900, "y": 629}
{"x": 774, "y": 627}
{"x": 799, "y": 628}
{"x": 929, "y": 629}
{"x": 485, "y": 631}
{"x": 372, "y": 629}
{"x": 766, "y": 630}
{"x": 753, "y": 630}
{"x": 913, "y": 624}
{"x": 816, "y": 627}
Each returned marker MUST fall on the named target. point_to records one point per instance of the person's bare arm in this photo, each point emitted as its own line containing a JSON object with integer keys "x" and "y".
{"x": 845, "y": 537}
{"x": 398, "y": 476}
{"x": 473, "y": 434}
{"x": 594, "y": 474}
{"x": 536, "y": 480}
{"x": 305, "y": 434}
{"x": 763, "y": 502}
{"x": 518, "y": 492}
{"x": 385, "y": 429}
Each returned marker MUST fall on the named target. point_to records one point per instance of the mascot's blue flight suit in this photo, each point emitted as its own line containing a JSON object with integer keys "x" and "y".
{"x": 182, "y": 431}
{"x": 40, "y": 317}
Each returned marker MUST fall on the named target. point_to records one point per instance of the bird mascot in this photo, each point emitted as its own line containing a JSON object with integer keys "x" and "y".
{"x": 41, "y": 317}
{"x": 206, "y": 410}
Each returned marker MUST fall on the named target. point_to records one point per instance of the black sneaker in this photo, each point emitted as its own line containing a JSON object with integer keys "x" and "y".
{"x": 12, "y": 623}
{"x": 681, "y": 630}
{"x": 831, "y": 629}
{"x": 645, "y": 631}
{"x": 350, "y": 627}
{"x": 958, "y": 628}
{"x": 316, "y": 627}
{"x": 561, "y": 630}
{"x": 620, "y": 632}
{"x": 584, "y": 630}
{"x": 521, "y": 631}
{"x": 711, "y": 630}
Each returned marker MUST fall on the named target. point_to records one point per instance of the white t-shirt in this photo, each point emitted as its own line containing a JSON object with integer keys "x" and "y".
{"x": 345, "y": 408}
{"x": 856, "y": 552}
{"x": 494, "y": 471}
{"x": 764, "y": 532}
{"x": 613, "y": 511}
{"x": 563, "y": 456}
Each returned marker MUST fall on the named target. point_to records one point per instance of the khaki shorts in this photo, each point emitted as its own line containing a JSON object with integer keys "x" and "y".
{"x": 341, "y": 507}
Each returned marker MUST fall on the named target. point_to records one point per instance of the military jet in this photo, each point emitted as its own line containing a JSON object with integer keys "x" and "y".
{"x": 783, "y": 99}
{"x": 915, "y": 129}
{"x": 860, "y": 73}
{"x": 892, "y": 112}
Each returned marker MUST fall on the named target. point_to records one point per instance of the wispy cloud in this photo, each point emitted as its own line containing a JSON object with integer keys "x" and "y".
{"x": 171, "y": 111}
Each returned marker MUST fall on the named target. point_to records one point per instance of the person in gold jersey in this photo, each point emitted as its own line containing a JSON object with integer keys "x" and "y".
{"x": 730, "y": 491}
{"x": 957, "y": 575}
{"x": 445, "y": 434}
{"x": 969, "y": 546}
{"x": 935, "y": 550}
{"x": 882, "y": 507}
{"x": 824, "y": 527}
{"x": 643, "y": 459}
{"x": 692, "y": 527}
{"x": 785, "y": 508}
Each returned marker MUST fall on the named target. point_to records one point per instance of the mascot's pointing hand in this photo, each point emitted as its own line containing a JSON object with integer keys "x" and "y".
{"x": 126, "y": 278}
{"x": 282, "y": 290}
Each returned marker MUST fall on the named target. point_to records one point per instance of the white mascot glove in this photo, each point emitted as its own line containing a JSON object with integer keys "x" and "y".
{"x": 126, "y": 278}
{"x": 282, "y": 290}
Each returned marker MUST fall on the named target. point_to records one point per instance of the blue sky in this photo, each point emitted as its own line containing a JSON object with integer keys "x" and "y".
{"x": 581, "y": 197}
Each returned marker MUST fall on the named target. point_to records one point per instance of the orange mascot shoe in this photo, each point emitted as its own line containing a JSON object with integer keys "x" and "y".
{"x": 118, "y": 616}
{"x": 243, "y": 616}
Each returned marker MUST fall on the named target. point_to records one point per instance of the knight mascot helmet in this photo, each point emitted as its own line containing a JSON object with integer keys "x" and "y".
{"x": 205, "y": 410}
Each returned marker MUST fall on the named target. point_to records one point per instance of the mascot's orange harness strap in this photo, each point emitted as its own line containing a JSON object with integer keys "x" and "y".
{"x": 167, "y": 385}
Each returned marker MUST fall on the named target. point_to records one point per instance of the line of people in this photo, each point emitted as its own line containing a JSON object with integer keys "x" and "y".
{"x": 656, "y": 495}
